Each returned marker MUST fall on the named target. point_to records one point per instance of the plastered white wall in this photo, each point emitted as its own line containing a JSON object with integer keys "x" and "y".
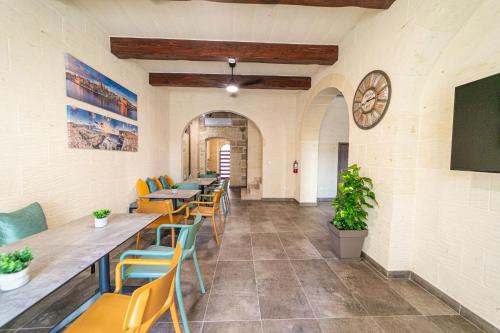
{"x": 273, "y": 112}
{"x": 334, "y": 129}
{"x": 457, "y": 222}
{"x": 441, "y": 224}
{"x": 35, "y": 161}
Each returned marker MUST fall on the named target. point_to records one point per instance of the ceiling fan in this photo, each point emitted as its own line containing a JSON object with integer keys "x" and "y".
{"x": 232, "y": 87}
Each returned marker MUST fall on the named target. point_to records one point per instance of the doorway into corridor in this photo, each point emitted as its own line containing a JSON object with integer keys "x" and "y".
{"x": 228, "y": 144}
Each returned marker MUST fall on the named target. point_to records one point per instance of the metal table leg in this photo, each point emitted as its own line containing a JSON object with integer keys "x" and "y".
{"x": 104, "y": 279}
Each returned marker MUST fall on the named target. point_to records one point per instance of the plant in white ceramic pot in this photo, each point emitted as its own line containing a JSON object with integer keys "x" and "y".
{"x": 349, "y": 226}
{"x": 174, "y": 188}
{"x": 101, "y": 217}
{"x": 14, "y": 269}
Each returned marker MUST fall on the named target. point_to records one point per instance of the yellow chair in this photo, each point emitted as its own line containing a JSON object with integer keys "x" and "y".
{"x": 209, "y": 209}
{"x": 142, "y": 188}
{"x": 114, "y": 312}
{"x": 169, "y": 180}
{"x": 158, "y": 183}
{"x": 170, "y": 216}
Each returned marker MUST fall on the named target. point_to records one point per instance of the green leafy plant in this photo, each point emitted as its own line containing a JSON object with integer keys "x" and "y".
{"x": 101, "y": 213}
{"x": 352, "y": 199}
{"x": 174, "y": 187}
{"x": 15, "y": 261}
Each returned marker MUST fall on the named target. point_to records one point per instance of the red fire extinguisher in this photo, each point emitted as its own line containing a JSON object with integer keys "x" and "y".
{"x": 295, "y": 166}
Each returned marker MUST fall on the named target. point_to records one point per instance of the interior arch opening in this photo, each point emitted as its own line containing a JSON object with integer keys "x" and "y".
{"x": 230, "y": 145}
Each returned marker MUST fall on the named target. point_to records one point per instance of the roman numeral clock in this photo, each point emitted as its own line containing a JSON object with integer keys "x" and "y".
{"x": 371, "y": 99}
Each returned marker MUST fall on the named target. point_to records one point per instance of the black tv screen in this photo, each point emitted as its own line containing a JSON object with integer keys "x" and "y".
{"x": 476, "y": 126}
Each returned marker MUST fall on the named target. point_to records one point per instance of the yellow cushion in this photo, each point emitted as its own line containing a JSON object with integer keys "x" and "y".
{"x": 158, "y": 183}
{"x": 169, "y": 180}
{"x": 106, "y": 315}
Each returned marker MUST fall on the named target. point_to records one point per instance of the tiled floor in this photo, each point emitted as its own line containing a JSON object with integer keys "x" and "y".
{"x": 275, "y": 272}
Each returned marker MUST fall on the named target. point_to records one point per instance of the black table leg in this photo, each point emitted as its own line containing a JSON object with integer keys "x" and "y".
{"x": 104, "y": 279}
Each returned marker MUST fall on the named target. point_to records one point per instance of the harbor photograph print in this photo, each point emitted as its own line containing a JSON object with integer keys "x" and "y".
{"x": 90, "y": 86}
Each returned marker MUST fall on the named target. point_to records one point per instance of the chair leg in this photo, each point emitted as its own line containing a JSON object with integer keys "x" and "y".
{"x": 138, "y": 240}
{"x": 180, "y": 301}
{"x": 221, "y": 222}
{"x": 198, "y": 273}
{"x": 215, "y": 230}
{"x": 175, "y": 319}
{"x": 172, "y": 230}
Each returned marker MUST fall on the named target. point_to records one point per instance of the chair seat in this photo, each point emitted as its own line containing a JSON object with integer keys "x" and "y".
{"x": 144, "y": 272}
{"x": 105, "y": 315}
{"x": 202, "y": 210}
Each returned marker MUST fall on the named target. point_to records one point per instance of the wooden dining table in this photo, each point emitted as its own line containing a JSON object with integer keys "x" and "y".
{"x": 63, "y": 252}
{"x": 174, "y": 195}
{"x": 202, "y": 182}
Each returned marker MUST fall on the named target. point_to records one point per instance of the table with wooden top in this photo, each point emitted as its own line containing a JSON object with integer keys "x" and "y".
{"x": 168, "y": 194}
{"x": 63, "y": 252}
{"x": 202, "y": 182}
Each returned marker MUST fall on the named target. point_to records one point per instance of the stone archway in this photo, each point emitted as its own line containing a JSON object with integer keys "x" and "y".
{"x": 246, "y": 149}
{"x": 321, "y": 96}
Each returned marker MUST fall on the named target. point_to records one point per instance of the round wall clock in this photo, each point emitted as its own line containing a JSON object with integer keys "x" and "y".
{"x": 371, "y": 99}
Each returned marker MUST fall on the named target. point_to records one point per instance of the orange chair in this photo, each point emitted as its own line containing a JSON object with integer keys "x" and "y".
{"x": 209, "y": 209}
{"x": 170, "y": 216}
{"x": 137, "y": 313}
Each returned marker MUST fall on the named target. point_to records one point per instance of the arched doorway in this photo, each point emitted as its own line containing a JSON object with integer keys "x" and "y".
{"x": 327, "y": 109}
{"x": 228, "y": 143}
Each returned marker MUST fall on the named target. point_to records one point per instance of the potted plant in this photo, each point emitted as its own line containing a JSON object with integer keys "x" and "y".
{"x": 14, "y": 269}
{"x": 174, "y": 188}
{"x": 349, "y": 227}
{"x": 101, "y": 217}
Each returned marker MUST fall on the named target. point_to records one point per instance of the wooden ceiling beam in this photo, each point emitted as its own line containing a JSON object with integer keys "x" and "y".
{"x": 200, "y": 50}
{"x": 373, "y": 4}
{"x": 221, "y": 80}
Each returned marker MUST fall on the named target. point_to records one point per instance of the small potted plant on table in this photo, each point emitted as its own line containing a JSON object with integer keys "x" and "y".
{"x": 101, "y": 217}
{"x": 174, "y": 188}
{"x": 349, "y": 227}
{"x": 14, "y": 269}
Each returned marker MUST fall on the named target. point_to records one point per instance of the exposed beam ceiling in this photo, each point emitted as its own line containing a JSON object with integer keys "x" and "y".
{"x": 221, "y": 80}
{"x": 199, "y": 50}
{"x": 375, "y": 4}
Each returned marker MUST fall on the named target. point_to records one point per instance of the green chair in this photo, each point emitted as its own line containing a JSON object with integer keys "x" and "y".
{"x": 207, "y": 175}
{"x": 190, "y": 186}
{"x": 187, "y": 237}
{"x": 22, "y": 223}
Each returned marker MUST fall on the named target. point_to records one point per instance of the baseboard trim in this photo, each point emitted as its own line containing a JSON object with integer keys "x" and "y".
{"x": 278, "y": 199}
{"x": 433, "y": 290}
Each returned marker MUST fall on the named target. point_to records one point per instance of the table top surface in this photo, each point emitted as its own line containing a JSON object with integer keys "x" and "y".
{"x": 63, "y": 252}
{"x": 167, "y": 194}
{"x": 201, "y": 181}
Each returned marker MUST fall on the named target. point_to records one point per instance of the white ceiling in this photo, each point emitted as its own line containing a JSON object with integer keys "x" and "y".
{"x": 207, "y": 20}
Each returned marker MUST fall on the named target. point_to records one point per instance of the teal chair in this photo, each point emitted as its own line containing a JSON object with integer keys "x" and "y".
{"x": 190, "y": 186}
{"x": 207, "y": 175}
{"x": 22, "y": 223}
{"x": 187, "y": 237}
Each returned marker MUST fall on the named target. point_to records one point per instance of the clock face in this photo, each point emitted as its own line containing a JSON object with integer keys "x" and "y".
{"x": 371, "y": 99}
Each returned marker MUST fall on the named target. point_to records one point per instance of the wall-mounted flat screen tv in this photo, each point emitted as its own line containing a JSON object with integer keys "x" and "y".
{"x": 476, "y": 126}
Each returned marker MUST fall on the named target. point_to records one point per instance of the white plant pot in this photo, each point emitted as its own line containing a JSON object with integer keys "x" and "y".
{"x": 174, "y": 191}
{"x": 99, "y": 223}
{"x": 14, "y": 280}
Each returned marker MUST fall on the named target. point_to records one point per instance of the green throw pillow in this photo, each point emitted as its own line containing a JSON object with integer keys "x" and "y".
{"x": 153, "y": 187}
{"x": 22, "y": 223}
{"x": 163, "y": 182}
